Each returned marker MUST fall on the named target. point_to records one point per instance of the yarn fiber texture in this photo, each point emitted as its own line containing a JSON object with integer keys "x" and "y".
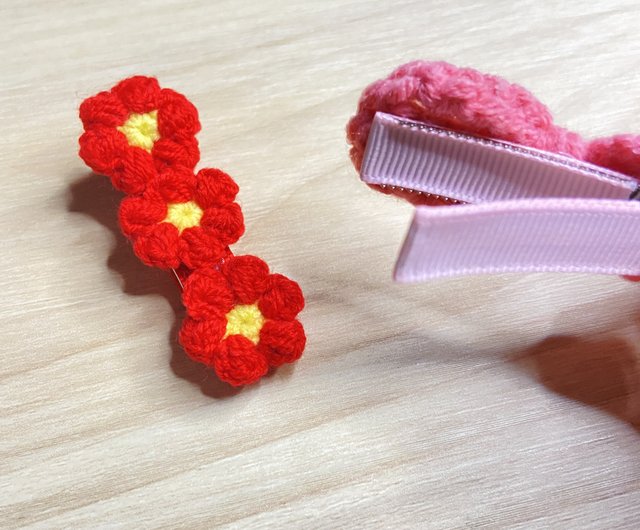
{"x": 466, "y": 100}
{"x": 241, "y": 318}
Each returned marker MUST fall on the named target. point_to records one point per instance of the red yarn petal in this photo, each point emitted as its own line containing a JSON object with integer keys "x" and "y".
{"x": 138, "y": 215}
{"x": 139, "y": 93}
{"x": 106, "y": 151}
{"x": 238, "y": 362}
{"x": 207, "y": 295}
{"x": 101, "y": 148}
{"x": 179, "y": 151}
{"x": 283, "y": 299}
{"x": 160, "y": 247}
{"x": 225, "y": 222}
{"x": 102, "y": 109}
{"x": 282, "y": 342}
{"x": 176, "y": 115}
{"x": 201, "y": 339}
{"x": 176, "y": 184}
{"x": 138, "y": 170}
{"x": 215, "y": 188}
{"x": 248, "y": 277}
{"x": 201, "y": 249}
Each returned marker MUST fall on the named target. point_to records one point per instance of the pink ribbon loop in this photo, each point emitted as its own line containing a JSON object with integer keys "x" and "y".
{"x": 537, "y": 235}
{"x": 535, "y": 211}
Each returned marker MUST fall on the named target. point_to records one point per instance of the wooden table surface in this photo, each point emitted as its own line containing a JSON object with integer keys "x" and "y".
{"x": 483, "y": 402}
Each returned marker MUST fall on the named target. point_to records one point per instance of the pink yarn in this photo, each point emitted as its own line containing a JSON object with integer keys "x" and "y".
{"x": 469, "y": 101}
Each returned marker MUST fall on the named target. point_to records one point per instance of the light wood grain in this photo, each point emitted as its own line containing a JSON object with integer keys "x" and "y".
{"x": 486, "y": 402}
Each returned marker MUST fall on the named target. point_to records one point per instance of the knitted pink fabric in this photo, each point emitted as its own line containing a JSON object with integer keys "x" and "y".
{"x": 469, "y": 101}
{"x": 466, "y": 100}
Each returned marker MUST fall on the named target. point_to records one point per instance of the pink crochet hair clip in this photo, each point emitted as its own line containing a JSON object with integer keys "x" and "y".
{"x": 529, "y": 195}
{"x": 241, "y": 319}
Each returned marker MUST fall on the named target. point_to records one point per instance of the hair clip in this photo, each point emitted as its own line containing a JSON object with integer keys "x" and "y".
{"x": 241, "y": 318}
{"x": 530, "y": 196}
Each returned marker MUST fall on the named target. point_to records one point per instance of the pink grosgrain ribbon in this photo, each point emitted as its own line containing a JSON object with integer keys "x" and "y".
{"x": 535, "y": 211}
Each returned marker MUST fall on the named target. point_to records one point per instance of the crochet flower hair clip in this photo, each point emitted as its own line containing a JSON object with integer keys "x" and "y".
{"x": 527, "y": 195}
{"x": 241, "y": 318}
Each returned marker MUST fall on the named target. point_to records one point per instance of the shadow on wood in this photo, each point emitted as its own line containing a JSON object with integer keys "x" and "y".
{"x": 602, "y": 372}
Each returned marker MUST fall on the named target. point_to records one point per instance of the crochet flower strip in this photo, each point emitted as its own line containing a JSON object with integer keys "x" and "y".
{"x": 242, "y": 319}
{"x": 135, "y": 129}
{"x": 182, "y": 218}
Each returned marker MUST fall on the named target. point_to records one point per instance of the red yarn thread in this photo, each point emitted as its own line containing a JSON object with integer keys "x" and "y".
{"x": 184, "y": 221}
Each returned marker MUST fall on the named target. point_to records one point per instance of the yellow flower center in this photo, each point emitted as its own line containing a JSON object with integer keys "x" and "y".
{"x": 246, "y": 320}
{"x": 183, "y": 215}
{"x": 141, "y": 130}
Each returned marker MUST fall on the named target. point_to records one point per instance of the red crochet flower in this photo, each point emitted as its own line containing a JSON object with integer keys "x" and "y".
{"x": 135, "y": 129}
{"x": 241, "y": 319}
{"x": 182, "y": 218}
